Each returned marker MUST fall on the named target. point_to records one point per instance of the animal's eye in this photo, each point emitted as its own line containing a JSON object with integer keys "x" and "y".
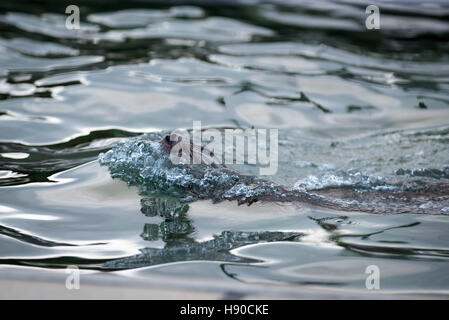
{"x": 211, "y": 154}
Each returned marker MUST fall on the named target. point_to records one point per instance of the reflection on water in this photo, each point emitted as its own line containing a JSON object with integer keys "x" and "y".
{"x": 363, "y": 116}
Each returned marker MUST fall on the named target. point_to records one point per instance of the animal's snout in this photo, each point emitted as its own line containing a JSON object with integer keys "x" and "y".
{"x": 173, "y": 139}
{"x": 169, "y": 141}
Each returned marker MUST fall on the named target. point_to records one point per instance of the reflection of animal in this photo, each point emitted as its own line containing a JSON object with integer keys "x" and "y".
{"x": 186, "y": 249}
{"x": 434, "y": 198}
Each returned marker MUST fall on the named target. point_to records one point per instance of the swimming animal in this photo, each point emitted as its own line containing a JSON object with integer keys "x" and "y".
{"x": 165, "y": 186}
{"x": 249, "y": 189}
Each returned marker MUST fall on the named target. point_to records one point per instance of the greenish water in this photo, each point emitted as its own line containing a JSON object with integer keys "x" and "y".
{"x": 363, "y": 119}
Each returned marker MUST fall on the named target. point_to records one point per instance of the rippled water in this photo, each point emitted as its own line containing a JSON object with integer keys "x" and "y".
{"x": 363, "y": 120}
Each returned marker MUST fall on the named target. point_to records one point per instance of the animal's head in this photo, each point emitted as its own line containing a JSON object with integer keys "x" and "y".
{"x": 169, "y": 141}
{"x": 194, "y": 154}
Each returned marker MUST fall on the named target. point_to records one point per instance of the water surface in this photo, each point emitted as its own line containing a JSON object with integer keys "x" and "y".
{"x": 359, "y": 112}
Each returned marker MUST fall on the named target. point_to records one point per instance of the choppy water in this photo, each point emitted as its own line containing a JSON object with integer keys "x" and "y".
{"x": 363, "y": 119}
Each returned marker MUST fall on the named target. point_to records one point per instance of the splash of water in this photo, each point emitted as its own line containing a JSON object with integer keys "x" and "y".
{"x": 141, "y": 162}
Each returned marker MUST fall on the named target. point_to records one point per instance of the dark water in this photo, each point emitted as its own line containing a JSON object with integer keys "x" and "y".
{"x": 362, "y": 116}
